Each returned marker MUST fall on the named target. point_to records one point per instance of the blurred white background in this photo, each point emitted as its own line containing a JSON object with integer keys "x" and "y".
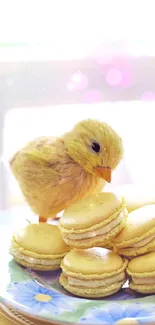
{"x": 62, "y": 61}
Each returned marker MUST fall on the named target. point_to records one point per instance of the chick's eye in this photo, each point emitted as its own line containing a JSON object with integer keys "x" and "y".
{"x": 95, "y": 147}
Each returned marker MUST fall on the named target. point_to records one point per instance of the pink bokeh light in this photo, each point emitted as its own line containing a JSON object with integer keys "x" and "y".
{"x": 92, "y": 96}
{"x": 78, "y": 81}
{"x": 148, "y": 96}
{"x": 118, "y": 73}
{"x": 114, "y": 77}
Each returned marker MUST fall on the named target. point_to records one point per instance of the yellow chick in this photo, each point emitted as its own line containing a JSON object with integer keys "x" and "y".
{"x": 54, "y": 173}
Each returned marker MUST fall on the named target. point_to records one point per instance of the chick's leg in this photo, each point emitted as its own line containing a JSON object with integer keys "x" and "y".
{"x": 42, "y": 219}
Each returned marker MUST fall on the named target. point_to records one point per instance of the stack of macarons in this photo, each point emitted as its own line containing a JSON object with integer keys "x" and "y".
{"x": 79, "y": 245}
{"x": 91, "y": 270}
{"x": 103, "y": 220}
{"x": 137, "y": 243}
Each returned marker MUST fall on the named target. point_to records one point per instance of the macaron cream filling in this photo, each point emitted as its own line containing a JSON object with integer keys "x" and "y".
{"x": 139, "y": 244}
{"x": 95, "y": 283}
{"x": 97, "y": 232}
{"x": 34, "y": 261}
{"x": 143, "y": 242}
{"x": 144, "y": 280}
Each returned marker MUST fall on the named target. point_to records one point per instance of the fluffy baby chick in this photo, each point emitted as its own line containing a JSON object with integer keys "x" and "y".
{"x": 54, "y": 173}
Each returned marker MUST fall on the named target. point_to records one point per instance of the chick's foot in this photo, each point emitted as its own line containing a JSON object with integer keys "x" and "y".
{"x": 45, "y": 219}
{"x": 42, "y": 219}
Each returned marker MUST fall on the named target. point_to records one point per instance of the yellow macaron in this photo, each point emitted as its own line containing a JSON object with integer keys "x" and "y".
{"x": 93, "y": 221}
{"x": 138, "y": 235}
{"x": 39, "y": 247}
{"x": 141, "y": 270}
{"x": 136, "y": 196}
{"x": 93, "y": 273}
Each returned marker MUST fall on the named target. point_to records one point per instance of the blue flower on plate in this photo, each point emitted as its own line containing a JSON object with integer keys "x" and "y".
{"x": 115, "y": 312}
{"x": 37, "y": 298}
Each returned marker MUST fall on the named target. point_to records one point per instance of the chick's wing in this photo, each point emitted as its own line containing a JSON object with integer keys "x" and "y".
{"x": 35, "y": 164}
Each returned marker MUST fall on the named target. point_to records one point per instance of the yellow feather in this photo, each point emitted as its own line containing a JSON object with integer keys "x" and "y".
{"x": 55, "y": 172}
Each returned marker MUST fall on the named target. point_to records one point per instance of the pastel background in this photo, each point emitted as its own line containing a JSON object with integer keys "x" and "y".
{"x": 63, "y": 61}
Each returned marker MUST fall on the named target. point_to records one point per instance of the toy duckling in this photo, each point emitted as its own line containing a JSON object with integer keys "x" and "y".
{"x": 53, "y": 174}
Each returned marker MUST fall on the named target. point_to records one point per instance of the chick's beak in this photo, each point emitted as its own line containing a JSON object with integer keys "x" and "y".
{"x": 104, "y": 172}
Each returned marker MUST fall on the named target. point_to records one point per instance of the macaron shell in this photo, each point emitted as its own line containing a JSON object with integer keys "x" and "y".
{"x": 136, "y": 196}
{"x": 93, "y": 292}
{"x": 142, "y": 265}
{"x": 108, "y": 265}
{"x": 146, "y": 289}
{"x": 108, "y": 246}
{"x": 37, "y": 267}
{"x": 98, "y": 240}
{"x": 140, "y": 224}
{"x": 91, "y": 211}
{"x": 95, "y": 260}
{"x": 41, "y": 239}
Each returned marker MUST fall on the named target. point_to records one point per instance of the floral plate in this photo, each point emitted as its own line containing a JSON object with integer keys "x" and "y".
{"x": 39, "y": 294}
